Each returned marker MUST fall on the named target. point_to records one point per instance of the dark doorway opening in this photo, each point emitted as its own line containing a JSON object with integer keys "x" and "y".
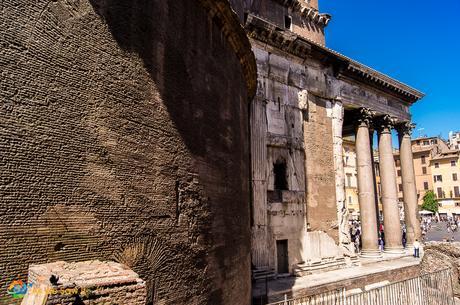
{"x": 282, "y": 255}
{"x": 279, "y": 169}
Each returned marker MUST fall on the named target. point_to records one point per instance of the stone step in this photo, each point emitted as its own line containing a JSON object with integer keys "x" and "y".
{"x": 310, "y": 268}
{"x": 263, "y": 273}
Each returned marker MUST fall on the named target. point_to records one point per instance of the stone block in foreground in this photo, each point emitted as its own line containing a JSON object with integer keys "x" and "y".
{"x": 90, "y": 282}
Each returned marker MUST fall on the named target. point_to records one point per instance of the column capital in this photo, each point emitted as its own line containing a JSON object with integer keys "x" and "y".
{"x": 364, "y": 116}
{"x": 405, "y": 128}
{"x": 384, "y": 123}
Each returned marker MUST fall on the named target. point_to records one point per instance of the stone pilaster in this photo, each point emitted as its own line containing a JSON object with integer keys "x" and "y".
{"x": 342, "y": 210}
{"x": 413, "y": 231}
{"x": 369, "y": 234}
{"x": 391, "y": 221}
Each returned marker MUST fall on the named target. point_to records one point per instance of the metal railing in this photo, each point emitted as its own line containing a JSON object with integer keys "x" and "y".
{"x": 428, "y": 289}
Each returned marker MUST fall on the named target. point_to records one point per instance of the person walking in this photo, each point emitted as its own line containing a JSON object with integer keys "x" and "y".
{"x": 380, "y": 244}
{"x": 416, "y": 248}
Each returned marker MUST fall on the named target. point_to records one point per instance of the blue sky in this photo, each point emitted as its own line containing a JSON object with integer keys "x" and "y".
{"x": 414, "y": 41}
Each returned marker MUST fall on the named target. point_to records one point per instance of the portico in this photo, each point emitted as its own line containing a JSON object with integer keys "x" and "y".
{"x": 365, "y": 122}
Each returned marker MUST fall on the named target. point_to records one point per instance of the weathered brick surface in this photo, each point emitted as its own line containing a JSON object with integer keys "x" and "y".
{"x": 321, "y": 200}
{"x": 123, "y": 136}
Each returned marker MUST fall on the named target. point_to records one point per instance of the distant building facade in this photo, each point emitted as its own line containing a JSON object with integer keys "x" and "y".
{"x": 437, "y": 169}
{"x": 351, "y": 177}
{"x": 454, "y": 140}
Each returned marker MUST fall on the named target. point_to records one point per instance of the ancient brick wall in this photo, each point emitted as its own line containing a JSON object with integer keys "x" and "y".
{"x": 321, "y": 200}
{"x": 123, "y": 136}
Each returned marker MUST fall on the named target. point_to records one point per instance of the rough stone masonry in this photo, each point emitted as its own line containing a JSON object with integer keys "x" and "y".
{"x": 118, "y": 144}
{"x": 91, "y": 282}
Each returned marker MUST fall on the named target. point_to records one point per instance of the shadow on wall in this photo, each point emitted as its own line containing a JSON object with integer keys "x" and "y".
{"x": 196, "y": 75}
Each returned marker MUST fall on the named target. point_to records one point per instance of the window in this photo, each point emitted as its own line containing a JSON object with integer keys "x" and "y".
{"x": 453, "y": 163}
{"x": 279, "y": 169}
{"x": 425, "y": 186}
{"x": 439, "y": 190}
{"x": 288, "y": 22}
{"x": 454, "y": 176}
{"x": 397, "y": 162}
{"x": 350, "y": 200}
{"x": 399, "y": 173}
{"x": 436, "y": 165}
{"x": 456, "y": 192}
{"x": 434, "y": 141}
{"x": 438, "y": 178}
{"x": 423, "y": 159}
{"x": 400, "y": 186}
{"x": 426, "y": 142}
{"x": 424, "y": 170}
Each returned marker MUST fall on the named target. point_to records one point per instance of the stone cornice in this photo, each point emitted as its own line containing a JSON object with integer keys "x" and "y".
{"x": 309, "y": 13}
{"x": 264, "y": 31}
{"x": 269, "y": 33}
{"x": 237, "y": 39}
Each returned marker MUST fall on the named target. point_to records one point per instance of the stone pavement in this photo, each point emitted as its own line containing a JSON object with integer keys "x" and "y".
{"x": 386, "y": 269}
{"x": 438, "y": 232}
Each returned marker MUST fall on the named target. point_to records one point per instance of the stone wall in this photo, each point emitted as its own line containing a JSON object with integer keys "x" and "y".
{"x": 119, "y": 144}
{"x": 289, "y": 121}
{"x": 443, "y": 255}
{"x": 321, "y": 181}
{"x": 277, "y": 134}
{"x": 277, "y": 10}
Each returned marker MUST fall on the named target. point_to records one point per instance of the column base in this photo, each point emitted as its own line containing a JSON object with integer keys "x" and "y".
{"x": 370, "y": 253}
{"x": 394, "y": 250}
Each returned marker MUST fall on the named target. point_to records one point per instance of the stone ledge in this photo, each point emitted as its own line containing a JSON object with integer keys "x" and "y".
{"x": 102, "y": 282}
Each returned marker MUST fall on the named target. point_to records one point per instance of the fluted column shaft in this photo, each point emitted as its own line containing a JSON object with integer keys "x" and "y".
{"x": 391, "y": 219}
{"x": 366, "y": 193}
{"x": 411, "y": 216}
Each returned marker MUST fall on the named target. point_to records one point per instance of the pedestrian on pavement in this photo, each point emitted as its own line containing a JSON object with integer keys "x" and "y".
{"x": 380, "y": 244}
{"x": 416, "y": 248}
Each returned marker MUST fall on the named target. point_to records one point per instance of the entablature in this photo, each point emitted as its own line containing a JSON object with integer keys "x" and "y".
{"x": 344, "y": 68}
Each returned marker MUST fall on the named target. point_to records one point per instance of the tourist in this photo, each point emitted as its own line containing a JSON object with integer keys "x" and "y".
{"x": 380, "y": 244}
{"x": 357, "y": 244}
{"x": 416, "y": 248}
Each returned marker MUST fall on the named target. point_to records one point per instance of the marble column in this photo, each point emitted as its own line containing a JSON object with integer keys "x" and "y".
{"x": 411, "y": 216}
{"x": 391, "y": 220}
{"x": 366, "y": 193}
